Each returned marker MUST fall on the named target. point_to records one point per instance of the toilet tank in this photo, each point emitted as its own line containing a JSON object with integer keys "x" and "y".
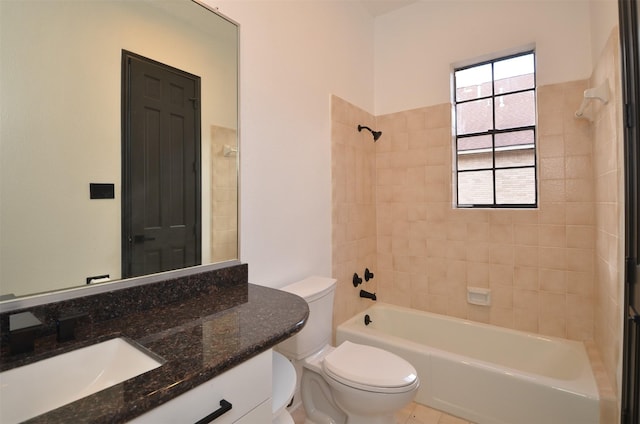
{"x": 319, "y": 293}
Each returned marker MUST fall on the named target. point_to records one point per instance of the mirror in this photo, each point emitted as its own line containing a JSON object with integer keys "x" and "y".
{"x": 60, "y": 131}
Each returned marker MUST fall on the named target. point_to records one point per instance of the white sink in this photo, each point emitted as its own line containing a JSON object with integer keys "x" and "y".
{"x": 34, "y": 389}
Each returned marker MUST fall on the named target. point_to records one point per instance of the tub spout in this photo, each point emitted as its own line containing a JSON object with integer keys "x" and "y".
{"x": 368, "y": 295}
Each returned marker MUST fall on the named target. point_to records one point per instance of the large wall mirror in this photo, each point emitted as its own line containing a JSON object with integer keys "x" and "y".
{"x": 61, "y": 85}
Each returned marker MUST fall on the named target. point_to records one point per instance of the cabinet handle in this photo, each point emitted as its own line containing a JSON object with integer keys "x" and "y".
{"x": 224, "y": 408}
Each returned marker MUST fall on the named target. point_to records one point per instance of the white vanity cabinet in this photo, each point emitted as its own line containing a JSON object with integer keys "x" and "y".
{"x": 260, "y": 415}
{"x": 246, "y": 387}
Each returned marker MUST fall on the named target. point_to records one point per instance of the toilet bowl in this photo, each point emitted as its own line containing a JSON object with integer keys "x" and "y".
{"x": 361, "y": 384}
{"x": 350, "y": 383}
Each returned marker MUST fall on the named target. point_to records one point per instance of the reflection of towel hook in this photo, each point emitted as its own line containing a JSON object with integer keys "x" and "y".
{"x": 229, "y": 151}
{"x": 601, "y": 93}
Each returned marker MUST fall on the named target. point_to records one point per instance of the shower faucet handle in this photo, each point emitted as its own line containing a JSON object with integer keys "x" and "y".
{"x": 356, "y": 280}
{"x": 368, "y": 275}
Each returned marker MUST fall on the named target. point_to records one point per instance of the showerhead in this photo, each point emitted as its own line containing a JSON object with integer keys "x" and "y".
{"x": 376, "y": 134}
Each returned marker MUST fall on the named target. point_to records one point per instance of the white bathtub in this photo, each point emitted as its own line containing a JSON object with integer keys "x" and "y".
{"x": 483, "y": 373}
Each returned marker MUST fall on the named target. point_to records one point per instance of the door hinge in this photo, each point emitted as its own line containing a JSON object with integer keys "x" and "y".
{"x": 196, "y": 102}
{"x": 629, "y": 117}
{"x": 631, "y": 265}
{"x": 633, "y": 315}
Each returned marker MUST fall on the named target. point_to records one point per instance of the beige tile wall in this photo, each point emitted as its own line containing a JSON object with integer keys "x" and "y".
{"x": 537, "y": 263}
{"x": 609, "y": 209}
{"x": 224, "y": 195}
{"x": 353, "y": 206}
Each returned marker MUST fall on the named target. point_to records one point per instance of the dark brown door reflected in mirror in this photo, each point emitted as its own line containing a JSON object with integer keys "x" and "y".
{"x": 161, "y": 217}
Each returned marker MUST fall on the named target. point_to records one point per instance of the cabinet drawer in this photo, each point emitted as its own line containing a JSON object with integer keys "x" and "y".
{"x": 260, "y": 415}
{"x": 245, "y": 387}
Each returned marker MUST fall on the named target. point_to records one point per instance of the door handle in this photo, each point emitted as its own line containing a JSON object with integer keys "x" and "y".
{"x": 224, "y": 408}
{"x": 141, "y": 238}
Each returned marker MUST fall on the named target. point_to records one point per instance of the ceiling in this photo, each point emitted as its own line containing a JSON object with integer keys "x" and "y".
{"x": 380, "y": 7}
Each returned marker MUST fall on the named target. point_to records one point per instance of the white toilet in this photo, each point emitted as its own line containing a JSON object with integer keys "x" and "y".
{"x": 348, "y": 384}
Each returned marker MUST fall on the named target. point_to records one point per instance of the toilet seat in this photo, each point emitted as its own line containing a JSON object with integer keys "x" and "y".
{"x": 369, "y": 368}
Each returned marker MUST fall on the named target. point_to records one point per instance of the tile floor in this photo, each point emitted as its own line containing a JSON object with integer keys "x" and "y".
{"x": 413, "y": 413}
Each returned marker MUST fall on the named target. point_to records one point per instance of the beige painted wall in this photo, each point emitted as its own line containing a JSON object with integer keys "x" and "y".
{"x": 294, "y": 54}
{"x": 417, "y": 45}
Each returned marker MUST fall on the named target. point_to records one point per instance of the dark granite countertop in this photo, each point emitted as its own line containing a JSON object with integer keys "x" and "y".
{"x": 197, "y": 340}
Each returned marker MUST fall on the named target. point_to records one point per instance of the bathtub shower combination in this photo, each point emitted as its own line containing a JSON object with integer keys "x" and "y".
{"x": 483, "y": 373}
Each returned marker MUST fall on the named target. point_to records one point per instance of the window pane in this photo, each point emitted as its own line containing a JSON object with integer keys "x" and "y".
{"x": 475, "y": 188}
{"x": 516, "y": 138}
{"x": 475, "y": 161}
{"x": 514, "y": 74}
{"x": 515, "y": 157}
{"x": 515, "y": 110}
{"x": 473, "y": 143}
{"x": 473, "y": 83}
{"x": 516, "y": 186}
{"x": 474, "y": 117}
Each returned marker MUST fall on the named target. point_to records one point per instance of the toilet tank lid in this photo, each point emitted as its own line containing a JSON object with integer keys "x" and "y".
{"x": 311, "y": 288}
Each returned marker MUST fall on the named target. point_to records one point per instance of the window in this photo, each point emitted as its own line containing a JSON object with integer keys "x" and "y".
{"x": 495, "y": 107}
